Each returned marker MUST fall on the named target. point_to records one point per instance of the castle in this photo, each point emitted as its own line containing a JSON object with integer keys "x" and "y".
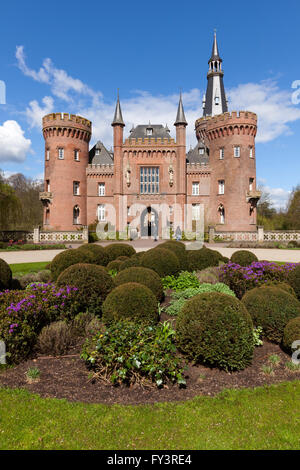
{"x": 149, "y": 170}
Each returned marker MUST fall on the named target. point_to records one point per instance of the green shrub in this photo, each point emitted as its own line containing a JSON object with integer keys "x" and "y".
{"x": 178, "y": 299}
{"x": 216, "y": 329}
{"x": 280, "y": 285}
{"x": 5, "y": 275}
{"x": 130, "y": 353}
{"x": 55, "y": 339}
{"x": 114, "y": 265}
{"x": 114, "y": 250}
{"x": 203, "y": 258}
{"x": 294, "y": 280}
{"x": 291, "y": 333}
{"x": 130, "y": 263}
{"x": 179, "y": 250}
{"x": 80, "y": 323}
{"x": 243, "y": 257}
{"x": 183, "y": 281}
{"x": 208, "y": 275}
{"x": 67, "y": 258}
{"x": 98, "y": 253}
{"x": 131, "y": 301}
{"x": 271, "y": 308}
{"x": 145, "y": 276}
{"x": 93, "y": 283}
{"x": 162, "y": 261}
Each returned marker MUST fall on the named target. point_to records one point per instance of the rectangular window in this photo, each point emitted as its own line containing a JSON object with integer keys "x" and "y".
{"x": 101, "y": 189}
{"x": 237, "y": 151}
{"x": 149, "y": 131}
{"x": 76, "y": 185}
{"x": 222, "y": 153}
{"x": 195, "y": 189}
{"x": 195, "y": 211}
{"x": 251, "y": 155}
{"x": 48, "y": 186}
{"x": 201, "y": 151}
{"x": 61, "y": 153}
{"x": 76, "y": 155}
{"x": 149, "y": 180}
{"x": 221, "y": 186}
{"x": 251, "y": 181}
{"x": 47, "y": 154}
{"x": 101, "y": 212}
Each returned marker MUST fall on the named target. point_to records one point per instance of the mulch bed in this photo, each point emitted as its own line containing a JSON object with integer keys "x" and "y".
{"x": 67, "y": 377}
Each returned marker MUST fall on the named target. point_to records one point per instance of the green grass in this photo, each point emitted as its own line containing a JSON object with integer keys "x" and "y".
{"x": 25, "y": 268}
{"x": 262, "y": 418}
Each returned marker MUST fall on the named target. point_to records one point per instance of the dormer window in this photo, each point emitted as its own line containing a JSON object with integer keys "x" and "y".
{"x": 201, "y": 151}
{"x": 97, "y": 151}
{"x": 149, "y": 131}
{"x": 217, "y": 100}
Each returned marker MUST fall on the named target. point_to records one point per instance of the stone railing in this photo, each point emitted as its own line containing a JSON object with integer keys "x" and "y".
{"x": 282, "y": 235}
{"x": 260, "y": 235}
{"x": 41, "y": 236}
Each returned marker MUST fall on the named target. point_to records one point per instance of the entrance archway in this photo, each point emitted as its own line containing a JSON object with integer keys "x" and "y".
{"x": 149, "y": 222}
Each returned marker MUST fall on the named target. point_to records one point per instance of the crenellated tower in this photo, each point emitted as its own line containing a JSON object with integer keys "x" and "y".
{"x": 67, "y": 139}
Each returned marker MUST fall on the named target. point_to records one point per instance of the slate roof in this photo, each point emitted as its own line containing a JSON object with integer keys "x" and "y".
{"x": 100, "y": 155}
{"x": 194, "y": 156}
{"x": 158, "y": 131}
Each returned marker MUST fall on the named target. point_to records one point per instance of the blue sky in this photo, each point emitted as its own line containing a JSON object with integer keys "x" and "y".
{"x": 68, "y": 56}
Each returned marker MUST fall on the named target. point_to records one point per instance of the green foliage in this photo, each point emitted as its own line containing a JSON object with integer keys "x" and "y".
{"x": 26, "y": 279}
{"x": 271, "y": 308}
{"x": 280, "y": 285}
{"x": 55, "y": 339}
{"x": 178, "y": 299}
{"x": 291, "y": 333}
{"x": 130, "y": 353}
{"x": 33, "y": 373}
{"x": 114, "y": 265}
{"x": 67, "y": 258}
{"x": 209, "y": 275}
{"x": 31, "y": 247}
{"x": 203, "y": 258}
{"x": 178, "y": 249}
{"x": 216, "y": 329}
{"x": 131, "y": 301}
{"x": 144, "y": 276}
{"x": 10, "y": 205}
{"x": 114, "y": 250}
{"x": 257, "y": 333}
{"x": 183, "y": 281}
{"x": 243, "y": 257}
{"x": 294, "y": 280}
{"x": 93, "y": 283}
{"x": 161, "y": 260}
{"x": 5, "y": 275}
{"x": 98, "y": 253}
{"x": 134, "y": 261}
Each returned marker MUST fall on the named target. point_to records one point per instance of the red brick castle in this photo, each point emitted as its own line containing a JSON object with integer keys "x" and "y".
{"x": 149, "y": 181}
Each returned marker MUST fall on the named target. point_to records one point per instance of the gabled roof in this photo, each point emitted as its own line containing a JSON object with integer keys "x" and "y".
{"x": 158, "y": 131}
{"x": 99, "y": 155}
{"x": 195, "y": 156}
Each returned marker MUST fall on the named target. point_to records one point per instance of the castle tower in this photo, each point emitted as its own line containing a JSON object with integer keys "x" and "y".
{"x": 66, "y": 158}
{"x": 180, "y": 125}
{"x": 118, "y": 128}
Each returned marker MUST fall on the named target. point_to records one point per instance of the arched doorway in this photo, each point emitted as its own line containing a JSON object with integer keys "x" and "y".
{"x": 149, "y": 223}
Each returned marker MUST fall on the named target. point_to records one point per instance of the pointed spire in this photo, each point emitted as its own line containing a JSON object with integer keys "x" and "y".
{"x": 180, "y": 118}
{"x": 118, "y": 118}
{"x": 215, "y": 50}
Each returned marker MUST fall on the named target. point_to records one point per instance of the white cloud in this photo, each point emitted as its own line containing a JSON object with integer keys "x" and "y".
{"x": 278, "y": 196}
{"x": 35, "y": 112}
{"x": 14, "y": 146}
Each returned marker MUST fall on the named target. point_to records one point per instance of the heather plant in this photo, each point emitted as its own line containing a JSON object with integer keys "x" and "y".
{"x": 55, "y": 339}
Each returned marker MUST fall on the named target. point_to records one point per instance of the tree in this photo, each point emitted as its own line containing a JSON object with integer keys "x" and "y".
{"x": 293, "y": 210}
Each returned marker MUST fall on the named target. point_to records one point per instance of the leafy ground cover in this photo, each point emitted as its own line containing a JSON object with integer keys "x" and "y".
{"x": 262, "y": 418}
{"x": 25, "y": 268}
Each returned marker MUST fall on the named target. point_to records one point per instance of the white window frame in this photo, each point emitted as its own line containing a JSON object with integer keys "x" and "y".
{"x": 251, "y": 152}
{"x": 48, "y": 186}
{"x": 195, "y": 211}
{"x": 149, "y": 131}
{"x": 61, "y": 153}
{"x": 221, "y": 154}
{"x": 101, "y": 189}
{"x": 221, "y": 187}
{"x": 251, "y": 184}
{"x": 195, "y": 188}
{"x": 77, "y": 220}
{"x": 76, "y": 188}
{"x": 76, "y": 155}
{"x": 237, "y": 151}
{"x": 149, "y": 180}
{"x": 101, "y": 212}
{"x": 48, "y": 154}
{"x": 201, "y": 151}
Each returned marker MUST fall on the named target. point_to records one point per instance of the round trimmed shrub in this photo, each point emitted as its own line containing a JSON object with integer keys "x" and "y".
{"x": 98, "y": 253}
{"x": 68, "y": 258}
{"x": 280, "y": 285}
{"x": 271, "y": 308}
{"x": 131, "y": 301}
{"x": 5, "y": 275}
{"x": 243, "y": 257}
{"x": 202, "y": 259}
{"x": 294, "y": 280}
{"x": 123, "y": 258}
{"x": 164, "y": 262}
{"x": 216, "y": 329}
{"x": 291, "y": 333}
{"x": 145, "y": 276}
{"x": 130, "y": 263}
{"x": 115, "y": 265}
{"x": 115, "y": 250}
{"x": 179, "y": 250}
{"x": 93, "y": 282}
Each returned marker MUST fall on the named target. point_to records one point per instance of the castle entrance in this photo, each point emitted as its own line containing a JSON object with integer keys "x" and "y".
{"x": 149, "y": 223}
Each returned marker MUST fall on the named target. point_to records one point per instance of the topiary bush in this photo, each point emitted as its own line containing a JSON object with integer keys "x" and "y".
{"x": 271, "y": 308}
{"x": 145, "y": 276}
{"x": 5, "y": 275}
{"x": 131, "y": 301}
{"x": 93, "y": 283}
{"x": 280, "y": 285}
{"x": 178, "y": 249}
{"x": 293, "y": 279}
{"x": 291, "y": 333}
{"x": 67, "y": 258}
{"x": 55, "y": 339}
{"x": 130, "y": 263}
{"x": 217, "y": 330}
{"x": 203, "y": 258}
{"x": 114, "y": 250}
{"x": 115, "y": 265}
{"x": 162, "y": 261}
{"x": 98, "y": 253}
{"x": 243, "y": 257}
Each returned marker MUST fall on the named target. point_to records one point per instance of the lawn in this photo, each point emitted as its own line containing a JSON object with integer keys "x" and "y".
{"x": 25, "y": 268}
{"x": 262, "y": 418}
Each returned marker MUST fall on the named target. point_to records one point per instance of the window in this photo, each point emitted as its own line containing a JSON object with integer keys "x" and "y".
{"x": 61, "y": 153}
{"x": 195, "y": 189}
{"x": 97, "y": 152}
{"x": 222, "y": 216}
{"x": 101, "y": 212}
{"x": 201, "y": 151}
{"x": 170, "y": 210}
{"x": 76, "y": 214}
{"x": 76, "y": 185}
{"x": 47, "y": 216}
{"x": 101, "y": 189}
{"x": 47, "y": 154}
{"x": 76, "y": 155}
{"x": 149, "y": 180}
{"x": 221, "y": 184}
{"x": 251, "y": 181}
{"x": 222, "y": 153}
{"x": 128, "y": 210}
{"x": 48, "y": 186}
{"x": 237, "y": 151}
{"x": 251, "y": 155}
{"x": 195, "y": 211}
{"x": 149, "y": 131}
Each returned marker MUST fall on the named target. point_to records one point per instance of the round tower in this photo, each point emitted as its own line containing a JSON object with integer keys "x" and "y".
{"x": 66, "y": 158}
{"x": 233, "y": 195}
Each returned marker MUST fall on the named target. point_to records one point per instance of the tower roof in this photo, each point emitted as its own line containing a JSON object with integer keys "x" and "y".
{"x": 118, "y": 118}
{"x": 180, "y": 118}
{"x": 215, "y": 50}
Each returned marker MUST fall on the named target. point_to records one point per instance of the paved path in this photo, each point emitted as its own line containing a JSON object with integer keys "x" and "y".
{"x": 144, "y": 245}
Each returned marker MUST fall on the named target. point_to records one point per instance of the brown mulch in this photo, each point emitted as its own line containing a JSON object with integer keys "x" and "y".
{"x": 67, "y": 377}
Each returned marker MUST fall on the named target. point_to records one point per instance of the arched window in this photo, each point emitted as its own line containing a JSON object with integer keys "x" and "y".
{"x": 221, "y": 210}
{"x": 47, "y": 216}
{"x": 76, "y": 215}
